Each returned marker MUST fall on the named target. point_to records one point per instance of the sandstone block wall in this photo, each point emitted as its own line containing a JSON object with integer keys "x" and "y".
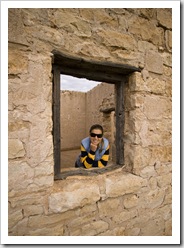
{"x": 135, "y": 201}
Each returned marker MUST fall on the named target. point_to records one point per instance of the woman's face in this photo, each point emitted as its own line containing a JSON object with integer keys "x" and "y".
{"x": 96, "y": 136}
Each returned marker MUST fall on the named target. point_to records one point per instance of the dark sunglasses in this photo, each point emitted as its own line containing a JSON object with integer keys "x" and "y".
{"x": 95, "y": 134}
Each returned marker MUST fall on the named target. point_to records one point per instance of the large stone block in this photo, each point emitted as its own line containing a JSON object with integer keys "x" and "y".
{"x": 109, "y": 206}
{"x": 94, "y": 228}
{"x": 15, "y": 28}
{"x": 153, "y": 199}
{"x": 14, "y": 217}
{"x": 52, "y": 230}
{"x": 15, "y": 149}
{"x": 154, "y": 62}
{"x": 156, "y": 108}
{"x": 124, "y": 216}
{"x": 17, "y": 62}
{"x": 146, "y": 29}
{"x": 74, "y": 195}
{"x": 161, "y": 154}
{"x": 116, "y": 39}
{"x": 153, "y": 227}
{"x": 123, "y": 184}
{"x": 21, "y": 171}
{"x": 164, "y": 17}
{"x": 130, "y": 201}
{"x": 40, "y": 221}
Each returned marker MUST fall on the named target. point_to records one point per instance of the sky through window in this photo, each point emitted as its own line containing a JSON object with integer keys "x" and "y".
{"x": 76, "y": 84}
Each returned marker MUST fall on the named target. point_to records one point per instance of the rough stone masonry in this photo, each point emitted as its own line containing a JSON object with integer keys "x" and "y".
{"x": 136, "y": 201}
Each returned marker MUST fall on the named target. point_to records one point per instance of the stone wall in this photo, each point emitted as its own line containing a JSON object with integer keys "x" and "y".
{"x": 136, "y": 201}
{"x": 73, "y": 119}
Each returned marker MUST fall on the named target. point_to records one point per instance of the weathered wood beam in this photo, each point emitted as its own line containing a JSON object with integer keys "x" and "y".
{"x": 102, "y": 71}
{"x": 120, "y": 120}
{"x": 56, "y": 118}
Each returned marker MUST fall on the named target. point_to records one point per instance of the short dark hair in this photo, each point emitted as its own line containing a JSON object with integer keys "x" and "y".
{"x": 96, "y": 126}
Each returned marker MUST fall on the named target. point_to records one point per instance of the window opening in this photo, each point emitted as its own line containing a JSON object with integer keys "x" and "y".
{"x": 97, "y": 71}
{"x": 74, "y": 117}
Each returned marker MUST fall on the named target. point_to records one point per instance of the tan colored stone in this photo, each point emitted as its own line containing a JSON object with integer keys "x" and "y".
{"x": 148, "y": 171}
{"x": 164, "y": 180}
{"x": 42, "y": 150}
{"x": 79, "y": 222}
{"x": 21, "y": 171}
{"x": 32, "y": 210}
{"x": 141, "y": 156}
{"x": 136, "y": 82}
{"x": 124, "y": 216}
{"x": 20, "y": 229}
{"x": 153, "y": 228}
{"x": 18, "y": 62}
{"x": 168, "y": 36}
{"x": 44, "y": 181}
{"x": 15, "y": 29}
{"x": 144, "y": 46}
{"x": 115, "y": 39}
{"x": 130, "y": 201}
{"x": 162, "y": 154}
{"x": 90, "y": 49}
{"x": 156, "y": 107}
{"x": 140, "y": 26}
{"x": 168, "y": 228}
{"x": 86, "y": 210}
{"x": 163, "y": 169}
{"x": 94, "y": 228}
{"x": 43, "y": 169}
{"x": 14, "y": 217}
{"x": 30, "y": 199}
{"x": 39, "y": 221}
{"x": 53, "y": 230}
{"x": 63, "y": 19}
{"x": 167, "y": 59}
{"x": 15, "y": 148}
{"x": 153, "y": 183}
{"x": 118, "y": 231}
{"x": 133, "y": 231}
{"x": 73, "y": 196}
{"x": 164, "y": 17}
{"x": 156, "y": 86}
{"x": 87, "y": 14}
{"x": 109, "y": 206}
{"x": 124, "y": 184}
{"x": 154, "y": 199}
{"x": 164, "y": 212}
{"x": 154, "y": 62}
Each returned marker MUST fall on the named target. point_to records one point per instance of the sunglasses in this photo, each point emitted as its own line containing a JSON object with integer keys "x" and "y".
{"x": 95, "y": 134}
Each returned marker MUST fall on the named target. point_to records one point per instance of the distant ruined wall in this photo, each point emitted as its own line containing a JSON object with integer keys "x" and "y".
{"x": 132, "y": 202}
{"x": 79, "y": 111}
{"x": 73, "y": 119}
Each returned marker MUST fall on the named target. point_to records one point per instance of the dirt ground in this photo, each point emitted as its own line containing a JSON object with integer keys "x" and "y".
{"x": 68, "y": 158}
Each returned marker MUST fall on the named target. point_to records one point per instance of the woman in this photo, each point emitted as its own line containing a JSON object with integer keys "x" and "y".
{"x": 94, "y": 149}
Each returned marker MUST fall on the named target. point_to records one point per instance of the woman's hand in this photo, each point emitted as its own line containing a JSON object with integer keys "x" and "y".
{"x": 93, "y": 147}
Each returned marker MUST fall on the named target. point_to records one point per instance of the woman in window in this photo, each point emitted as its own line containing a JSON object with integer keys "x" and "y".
{"x": 94, "y": 149}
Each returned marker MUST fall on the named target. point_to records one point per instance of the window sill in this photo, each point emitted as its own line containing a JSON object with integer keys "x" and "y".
{"x": 85, "y": 172}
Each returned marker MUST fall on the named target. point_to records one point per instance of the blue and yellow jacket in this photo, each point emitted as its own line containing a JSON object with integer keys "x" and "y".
{"x": 99, "y": 158}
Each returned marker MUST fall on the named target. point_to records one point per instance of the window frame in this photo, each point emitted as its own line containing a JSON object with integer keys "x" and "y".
{"x": 107, "y": 72}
